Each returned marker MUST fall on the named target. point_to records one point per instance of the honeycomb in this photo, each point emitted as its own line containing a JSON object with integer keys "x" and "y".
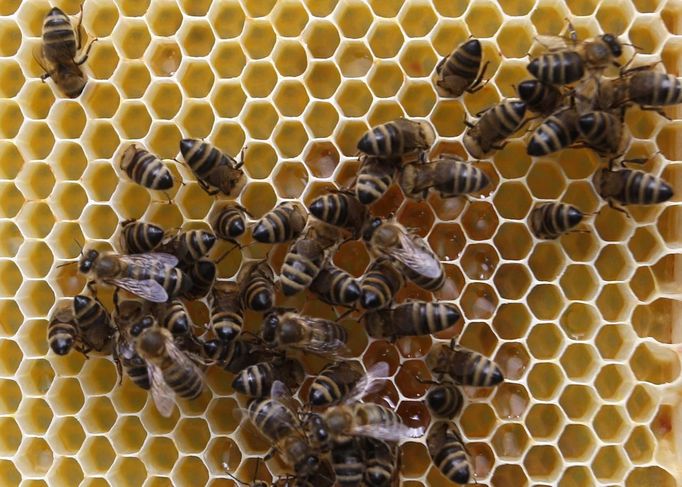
{"x": 583, "y": 327}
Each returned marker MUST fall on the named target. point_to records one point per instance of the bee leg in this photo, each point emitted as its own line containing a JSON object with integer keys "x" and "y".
{"x": 478, "y": 82}
{"x": 613, "y": 206}
{"x": 205, "y": 187}
{"x": 241, "y": 158}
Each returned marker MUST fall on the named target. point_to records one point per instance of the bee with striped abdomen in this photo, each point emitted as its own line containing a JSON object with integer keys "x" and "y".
{"x": 341, "y": 209}
{"x": 540, "y": 97}
{"x": 227, "y": 313}
{"x": 283, "y": 223}
{"x": 202, "y": 275}
{"x": 348, "y": 462}
{"x": 380, "y": 284}
{"x": 631, "y": 187}
{"x": 556, "y": 132}
{"x": 374, "y": 177}
{"x": 335, "y": 286}
{"x": 257, "y": 285}
{"x": 398, "y": 138}
{"x": 139, "y": 237}
{"x": 413, "y": 318}
{"x": 334, "y": 383}
{"x": 62, "y": 330}
{"x": 388, "y": 238}
{"x": 284, "y": 329}
{"x": 381, "y": 460}
{"x": 444, "y": 399}
{"x": 551, "y": 220}
{"x": 213, "y": 168}
{"x": 229, "y": 222}
{"x": 256, "y": 380}
{"x": 465, "y": 367}
{"x": 61, "y": 45}
{"x": 651, "y": 89}
{"x": 174, "y": 317}
{"x": 448, "y": 175}
{"x": 189, "y": 246}
{"x": 604, "y": 133}
{"x": 448, "y": 453}
{"x": 494, "y": 126}
{"x": 145, "y": 168}
{"x": 171, "y": 372}
{"x": 94, "y": 323}
{"x": 130, "y": 319}
{"x": 460, "y": 70}
{"x": 235, "y": 355}
{"x": 152, "y": 276}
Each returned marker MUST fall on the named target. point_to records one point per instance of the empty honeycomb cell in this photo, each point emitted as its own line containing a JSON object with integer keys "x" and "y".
{"x": 98, "y": 415}
{"x": 101, "y": 139}
{"x": 36, "y": 259}
{"x": 103, "y": 60}
{"x": 290, "y": 137}
{"x": 66, "y": 396}
{"x": 11, "y": 278}
{"x": 12, "y": 160}
{"x": 419, "y": 459}
{"x": 655, "y": 364}
{"x": 132, "y": 38}
{"x": 640, "y": 445}
{"x": 11, "y": 437}
{"x": 11, "y": 78}
{"x": 544, "y": 381}
{"x": 510, "y": 441}
{"x": 576, "y": 476}
{"x": 655, "y": 319}
{"x": 197, "y": 118}
{"x": 34, "y": 415}
{"x": 11, "y": 357}
{"x": 291, "y": 98}
{"x": 579, "y": 321}
{"x": 515, "y": 39}
{"x": 385, "y": 79}
{"x": 417, "y": 216}
{"x": 191, "y": 435}
{"x": 512, "y": 240}
{"x": 614, "y": 16}
{"x": 11, "y": 119}
{"x": 479, "y": 301}
{"x": 645, "y": 244}
{"x": 417, "y": 18}
{"x": 36, "y": 180}
{"x": 418, "y": 59}
{"x": 13, "y": 239}
{"x": 37, "y": 139}
{"x": 96, "y": 455}
{"x": 614, "y": 302}
{"x": 101, "y": 101}
{"x": 159, "y": 454}
{"x": 289, "y": 18}
{"x": 11, "y": 396}
{"x": 128, "y": 435}
{"x": 128, "y": 471}
{"x": 42, "y": 99}
{"x": 259, "y": 79}
{"x": 613, "y": 382}
{"x": 548, "y": 17}
{"x": 543, "y": 463}
{"x": 479, "y": 337}
{"x": 610, "y": 464}
{"x": 545, "y": 421}
{"x": 63, "y": 240}
{"x": 648, "y": 34}
{"x": 385, "y": 39}
{"x": 478, "y": 420}
{"x": 512, "y": 200}
{"x": 577, "y": 442}
{"x": 228, "y": 59}
{"x": 579, "y": 282}
{"x": 11, "y": 200}
{"x": 545, "y": 301}
{"x": 545, "y": 341}
{"x": 509, "y": 474}
{"x": 579, "y": 361}
{"x": 34, "y": 457}
{"x": 196, "y": 78}
{"x": 189, "y": 471}
{"x": 384, "y": 112}
{"x": 418, "y": 99}
{"x": 259, "y": 119}
{"x": 614, "y": 341}
{"x": 511, "y": 321}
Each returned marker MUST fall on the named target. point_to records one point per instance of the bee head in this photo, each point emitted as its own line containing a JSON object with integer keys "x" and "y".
{"x": 87, "y": 260}
{"x": 143, "y": 324}
{"x": 270, "y": 325}
{"x": 614, "y": 44}
{"x": 371, "y": 227}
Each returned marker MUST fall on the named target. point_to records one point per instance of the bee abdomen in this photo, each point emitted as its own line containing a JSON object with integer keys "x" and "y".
{"x": 227, "y": 324}
{"x": 333, "y": 383}
{"x": 374, "y": 178}
{"x": 465, "y": 61}
{"x": 452, "y": 462}
{"x": 230, "y": 223}
{"x": 556, "y": 132}
{"x": 428, "y": 283}
{"x": 176, "y": 319}
{"x": 61, "y": 336}
{"x": 444, "y": 400}
{"x": 141, "y": 237}
{"x": 184, "y": 382}
{"x": 259, "y": 294}
{"x": 285, "y": 222}
{"x": 347, "y": 463}
{"x": 173, "y": 280}
{"x": 641, "y": 188}
{"x": 335, "y": 286}
{"x": 476, "y": 370}
{"x": 454, "y": 178}
{"x": 149, "y": 171}
{"x": 655, "y": 89}
{"x": 380, "y": 284}
{"x": 201, "y": 157}
{"x": 428, "y": 318}
{"x": 558, "y": 68}
{"x": 136, "y": 368}
{"x": 540, "y": 97}
{"x": 383, "y": 140}
{"x": 551, "y": 220}
{"x": 58, "y": 35}
{"x": 200, "y": 278}
{"x": 89, "y": 312}
{"x": 298, "y": 271}
{"x": 255, "y": 380}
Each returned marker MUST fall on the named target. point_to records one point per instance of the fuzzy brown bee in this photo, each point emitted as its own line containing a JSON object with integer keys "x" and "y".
{"x": 551, "y": 220}
{"x": 444, "y": 399}
{"x": 398, "y": 138}
{"x": 375, "y": 177}
{"x": 287, "y": 329}
{"x": 447, "y": 451}
{"x": 216, "y": 172}
{"x": 493, "y": 127}
{"x": 256, "y": 380}
{"x": 145, "y": 168}
{"x": 557, "y": 132}
{"x": 61, "y": 46}
{"x": 174, "y": 316}
{"x": 62, "y": 330}
{"x": 257, "y": 281}
{"x": 341, "y": 209}
{"x": 380, "y": 284}
{"x": 227, "y": 313}
{"x": 460, "y": 70}
{"x": 334, "y": 383}
{"x": 202, "y": 274}
{"x": 94, "y": 323}
{"x": 605, "y": 133}
{"x": 540, "y": 97}
{"x": 632, "y": 187}
{"x": 335, "y": 286}
{"x": 139, "y": 237}
{"x": 380, "y": 462}
{"x": 285, "y": 222}
{"x": 653, "y": 89}
{"x": 236, "y": 355}
{"x": 229, "y": 222}
{"x": 464, "y": 366}
{"x": 448, "y": 175}
{"x": 189, "y": 246}
{"x": 411, "y": 319}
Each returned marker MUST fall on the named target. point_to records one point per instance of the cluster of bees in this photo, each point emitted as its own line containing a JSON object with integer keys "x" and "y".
{"x": 334, "y": 436}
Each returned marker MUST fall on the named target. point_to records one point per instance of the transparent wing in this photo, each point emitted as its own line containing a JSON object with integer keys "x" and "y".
{"x": 163, "y": 395}
{"x": 370, "y": 383}
{"x": 181, "y": 358}
{"x": 148, "y": 289}
{"x": 395, "y": 432}
{"x": 331, "y": 349}
{"x": 150, "y": 258}
{"x": 416, "y": 257}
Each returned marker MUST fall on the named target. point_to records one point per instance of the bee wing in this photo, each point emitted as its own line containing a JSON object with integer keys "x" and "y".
{"x": 416, "y": 257}
{"x": 370, "y": 383}
{"x": 180, "y": 357}
{"x": 163, "y": 395}
{"x": 331, "y": 349}
{"x": 396, "y": 432}
{"x": 150, "y": 258}
{"x": 280, "y": 392}
{"x": 148, "y": 289}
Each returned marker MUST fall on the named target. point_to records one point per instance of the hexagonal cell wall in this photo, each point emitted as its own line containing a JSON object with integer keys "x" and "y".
{"x": 581, "y": 326}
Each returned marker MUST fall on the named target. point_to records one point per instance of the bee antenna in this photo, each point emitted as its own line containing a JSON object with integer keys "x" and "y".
{"x": 66, "y": 263}
{"x": 235, "y": 246}
{"x": 226, "y": 467}
{"x": 80, "y": 247}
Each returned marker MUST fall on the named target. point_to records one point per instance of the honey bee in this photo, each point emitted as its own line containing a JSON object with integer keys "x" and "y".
{"x": 413, "y": 318}
{"x": 446, "y": 448}
{"x": 448, "y": 175}
{"x": 256, "y": 380}
{"x": 140, "y": 237}
{"x": 61, "y": 45}
{"x": 130, "y": 319}
{"x": 288, "y": 329}
{"x": 94, "y": 323}
{"x": 460, "y": 70}
{"x": 335, "y": 286}
{"x": 605, "y": 133}
{"x": 230, "y": 222}
{"x": 540, "y": 97}
{"x": 202, "y": 274}
{"x": 170, "y": 370}
{"x": 599, "y": 94}
{"x": 348, "y": 462}
{"x": 323, "y": 477}
{"x": 444, "y": 399}
{"x": 285, "y": 222}
{"x": 374, "y": 177}
{"x": 278, "y": 422}
{"x": 62, "y": 330}
{"x": 464, "y": 366}
{"x": 414, "y": 256}
{"x": 398, "y": 138}
{"x": 174, "y": 317}
{"x": 152, "y": 276}
{"x": 189, "y": 246}
{"x": 380, "y": 284}
{"x": 135, "y": 366}
{"x": 213, "y": 168}
{"x": 334, "y": 383}
{"x": 227, "y": 313}
{"x": 631, "y": 187}
{"x": 653, "y": 89}
{"x": 380, "y": 462}
{"x": 567, "y": 65}
{"x": 551, "y": 220}
{"x": 493, "y": 127}
{"x": 257, "y": 286}
{"x": 341, "y": 209}
{"x": 235, "y": 355}
{"x": 145, "y": 168}
{"x": 558, "y": 131}
{"x": 253, "y": 483}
